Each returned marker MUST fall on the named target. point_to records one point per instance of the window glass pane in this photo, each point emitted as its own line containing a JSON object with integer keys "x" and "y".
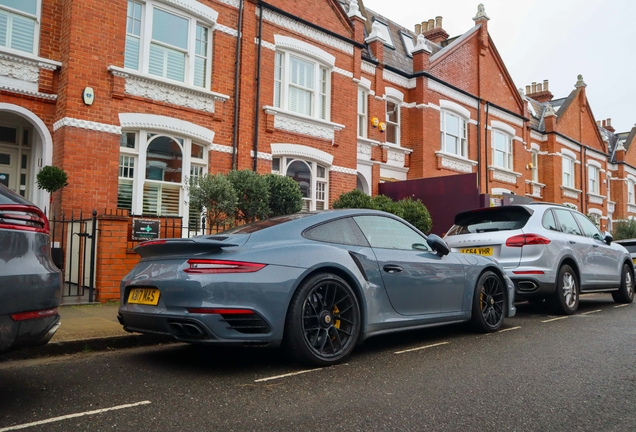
{"x": 4, "y": 20}
{"x": 549, "y": 222}
{"x": 278, "y": 76}
{"x": 302, "y": 73}
{"x": 133, "y": 19}
{"x": 124, "y": 195}
{"x": 392, "y": 112}
{"x": 126, "y": 166}
{"x": 276, "y": 164}
{"x": 22, "y": 33}
{"x": 300, "y": 100}
{"x": 452, "y": 125}
{"x": 131, "y": 53}
{"x": 588, "y": 226}
{"x": 127, "y": 140}
{"x": 567, "y": 222}
{"x": 301, "y": 173}
{"x": 384, "y": 232}
{"x": 199, "y": 71}
{"x": 202, "y": 41}
{"x": 167, "y": 63}
{"x": 169, "y": 29}
{"x": 341, "y": 231}
{"x": 163, "y": 160}
{"x": 8, "y": 134}
{"x": 28, "y": 6}
{"x": 197, "y": 151}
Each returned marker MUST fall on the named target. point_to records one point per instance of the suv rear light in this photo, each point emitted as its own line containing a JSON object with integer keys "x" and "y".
{"x": 23, "y": 316}
{"x": 221, "y": 266}
{"x": 23, "y": 218}
{"x": 522, "y": 240}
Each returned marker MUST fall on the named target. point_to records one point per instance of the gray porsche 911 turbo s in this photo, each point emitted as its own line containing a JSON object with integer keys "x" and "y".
{"x": 316, "y": 283}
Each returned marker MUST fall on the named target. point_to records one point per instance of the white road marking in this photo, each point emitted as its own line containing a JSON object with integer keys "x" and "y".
{"x": 421, "y": 348}
{"x": 284, "y": 375}
{"x": 70, "y": 416}
{"x": 508, "y": 329}
{"x": 555, "y": 319}
{"x": 591, "y": 312}
{"x": 623, "y": 305}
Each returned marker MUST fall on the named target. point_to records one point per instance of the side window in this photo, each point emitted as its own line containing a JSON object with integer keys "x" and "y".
{"x": 341, "y": 231}
{"x": 567, "y": 222}
{"x": 388, "y": 233}
{"x": 549, "y": 222}
{"x": 588, "y": 226}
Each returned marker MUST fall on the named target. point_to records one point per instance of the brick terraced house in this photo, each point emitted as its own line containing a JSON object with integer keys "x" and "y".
{"x": 133, "y": 97}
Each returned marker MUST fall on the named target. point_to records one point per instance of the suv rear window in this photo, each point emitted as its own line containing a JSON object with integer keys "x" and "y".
{"x": 490, "y": 219}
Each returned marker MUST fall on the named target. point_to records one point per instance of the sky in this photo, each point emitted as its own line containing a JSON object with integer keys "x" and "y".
{"x": 554, "y": 40}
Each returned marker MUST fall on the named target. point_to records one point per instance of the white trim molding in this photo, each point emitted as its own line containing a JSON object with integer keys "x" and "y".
{"x": 456, "y": 108}
{"x": 86, "y": 124}
{"x": 392, "y": 77}
{"x": 367, "y": 67}
{"x": 288, "y": 43}
{"x": 20, "y": 73}
{"x": 165, "y": 124}
{"x": 343, "y": 170}
{"x": 261, "y": 155}
{"x": 305, "y": 30}
{"x": 159, "y": 89}
{"x": 454, "y": 162}
{"x": 195, "y": 8}
{"x": 595, "y": 198}
{"x": 503, "y": 127}
{"x": 451, "y": 93}
{"x": 569, "y": 144}
{"x": 302, "y": 151}
{"x": 221, "y": 148}
{"x": 505, "y": 116}
{"x": 225, "y": 29}
{"x": 504, "y": 175}
{"x": 538, "y": 136}
{"x": 392, "y": 93}
{"x": 569, "y": 192}
{"x": 302, "y": 124}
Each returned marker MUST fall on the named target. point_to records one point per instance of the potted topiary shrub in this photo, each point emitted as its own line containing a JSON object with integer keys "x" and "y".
{"x": 51, "y": 179}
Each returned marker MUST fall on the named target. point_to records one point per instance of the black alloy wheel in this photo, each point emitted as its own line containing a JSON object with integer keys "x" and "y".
{"x": 489, "y": 303}
{"x": 323, "y": 321}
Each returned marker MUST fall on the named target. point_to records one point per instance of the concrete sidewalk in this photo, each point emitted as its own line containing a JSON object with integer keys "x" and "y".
{"x": 86, "y": 328}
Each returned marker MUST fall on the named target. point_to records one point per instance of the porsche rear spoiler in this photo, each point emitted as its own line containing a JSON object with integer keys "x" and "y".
{"x": 190, "y": 246}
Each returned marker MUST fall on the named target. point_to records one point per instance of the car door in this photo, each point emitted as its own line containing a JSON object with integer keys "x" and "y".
{"x": 580, "y": 245}
{"x": 416, "y": 279}
{"x": 605, "y": 259}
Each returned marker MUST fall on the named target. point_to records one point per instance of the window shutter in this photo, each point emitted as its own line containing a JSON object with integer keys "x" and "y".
{"x": 131, "y": 55}
{"x": 155, "y": 66}
{"x": 4, "y": 19}
{"x": 124, "y": 195}
{"x": 22, "y": 33}
{"x": 175, "y": 65}
{"x": 199, "y": 71}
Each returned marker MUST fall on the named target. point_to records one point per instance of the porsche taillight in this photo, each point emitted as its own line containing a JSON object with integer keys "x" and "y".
{"x": 522, "y": 240}
{"x": 221, "y": 266}
{"x": 20, "y": 217}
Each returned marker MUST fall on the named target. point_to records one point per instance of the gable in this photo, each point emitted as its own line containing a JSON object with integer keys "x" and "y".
{"x": 453, "y": 63}
{"x": 326, "y": 14}
{"x": 575, "y": 120}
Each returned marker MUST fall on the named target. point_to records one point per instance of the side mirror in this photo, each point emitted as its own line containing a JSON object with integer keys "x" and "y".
{"x": 608, "y": 237}
{"x": 437, "y": 244}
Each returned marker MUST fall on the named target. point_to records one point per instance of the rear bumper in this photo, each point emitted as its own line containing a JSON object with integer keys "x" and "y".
{"x": 27, "y": 333}
{"x": 532, "y": 287}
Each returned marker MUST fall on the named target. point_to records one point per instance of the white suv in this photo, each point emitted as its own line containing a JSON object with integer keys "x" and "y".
{"x": 549, "y": 251}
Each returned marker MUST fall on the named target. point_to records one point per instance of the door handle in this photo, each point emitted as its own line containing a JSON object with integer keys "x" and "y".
{"x": 595, "y": 246}
{"x": 572, "y": 242}
{"x": 392, "y": 268}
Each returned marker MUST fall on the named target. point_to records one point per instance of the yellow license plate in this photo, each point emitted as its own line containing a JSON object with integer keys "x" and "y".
{"x": 634, "y": 260}
{"x": 487, "y": 251}
{"x": 146, "y": 296}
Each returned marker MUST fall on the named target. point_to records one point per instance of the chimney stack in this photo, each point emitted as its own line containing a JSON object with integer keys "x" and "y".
{"x": 433, "y": 31}
{"x": 608, "y": 125}
{"x": 539, "y": 92}
{"x": 418, "y": 29}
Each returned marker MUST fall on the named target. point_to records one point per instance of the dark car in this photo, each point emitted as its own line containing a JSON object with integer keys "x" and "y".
{"x": 318, "y": 283}
{"x": 30, "y": 284}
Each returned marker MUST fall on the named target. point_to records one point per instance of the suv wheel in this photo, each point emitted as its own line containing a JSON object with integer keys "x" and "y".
{"x": 625, "y": 293}
{"x": 566, "y": 296}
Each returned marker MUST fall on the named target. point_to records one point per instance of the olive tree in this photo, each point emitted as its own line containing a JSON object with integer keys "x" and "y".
{"x": 216, "y": 194}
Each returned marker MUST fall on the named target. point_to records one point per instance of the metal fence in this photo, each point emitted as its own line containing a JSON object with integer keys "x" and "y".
{"x": 74, "y": 246}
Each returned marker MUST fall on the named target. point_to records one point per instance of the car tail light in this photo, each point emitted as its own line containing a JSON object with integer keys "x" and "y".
{"x": 522, "y": 240}
{"x": 221, "y": 311}
{"x": 528, "y": 272}
{"x": 221, "y": 266}
{"x": 23, "y": 316}
{"x": 23, "y": 218}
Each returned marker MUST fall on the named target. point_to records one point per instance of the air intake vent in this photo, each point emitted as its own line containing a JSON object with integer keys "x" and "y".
{"x": 246, "y": 324}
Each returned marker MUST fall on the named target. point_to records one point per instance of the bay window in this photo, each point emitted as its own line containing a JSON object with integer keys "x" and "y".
{"x": 19, "y": 26}
{"x": 310, "y": 176}
{"x": 301, "y": 85}
{"x": 167, "y": 43}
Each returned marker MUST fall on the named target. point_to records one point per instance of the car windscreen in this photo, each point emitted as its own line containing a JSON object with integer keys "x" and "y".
{"x": 490, "y": 219}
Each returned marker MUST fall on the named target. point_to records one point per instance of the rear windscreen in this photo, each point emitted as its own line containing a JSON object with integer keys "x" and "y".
{"x": 489, "y": 220}
{"x": 631, "y": 248}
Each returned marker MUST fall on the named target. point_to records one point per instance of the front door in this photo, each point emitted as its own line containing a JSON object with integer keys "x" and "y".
{"x": 9, "y": 168}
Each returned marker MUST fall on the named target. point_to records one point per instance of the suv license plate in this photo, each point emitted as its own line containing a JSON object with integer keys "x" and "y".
{"x": 487, "y": 251}
{"x": 146, "y": 296}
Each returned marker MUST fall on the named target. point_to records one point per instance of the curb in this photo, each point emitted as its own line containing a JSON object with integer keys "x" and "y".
{"x": 84, "y": 345}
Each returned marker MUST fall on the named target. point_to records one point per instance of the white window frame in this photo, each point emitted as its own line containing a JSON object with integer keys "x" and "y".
{"x": 593, "y": 178}
{"x": 321, "y": 86}
{"x": 318, "y": 184}
{"x": 363, "y": 112}
{"x": 36, "y": 27}
{"x": 534, "y": 157}
{"x": 463, "y": 132}
{"x": 567, "y": 179}
{"x": 386, "y": 34}
{"x": 139, "y": 153}
{"x": 145, "y": 40}
{"x": 631, "y": 183}
{"x": 395, "y": 124}
{"x": 507, "y": 152}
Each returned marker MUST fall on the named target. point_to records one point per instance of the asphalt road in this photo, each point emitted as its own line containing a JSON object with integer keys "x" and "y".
{"x": 541, "y": 373}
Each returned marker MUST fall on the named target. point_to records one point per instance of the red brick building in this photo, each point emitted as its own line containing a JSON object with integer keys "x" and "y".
{"x": 133, "y": 97}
